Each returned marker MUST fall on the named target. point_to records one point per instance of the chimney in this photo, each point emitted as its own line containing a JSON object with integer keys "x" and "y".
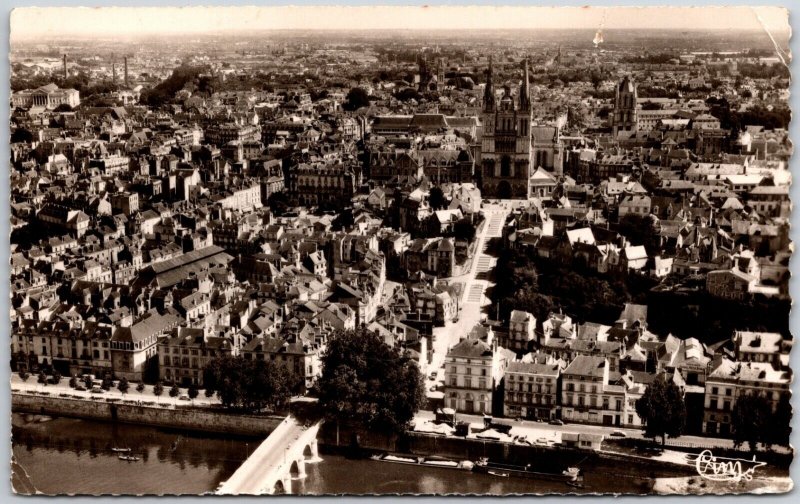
{"x": 113, "y": 72}
{"x": 64, "y": 59}
{"x": 125, "y": 59}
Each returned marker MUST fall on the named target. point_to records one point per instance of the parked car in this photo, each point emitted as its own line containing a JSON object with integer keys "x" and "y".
{"x": 433, "y": 375}
{"x": 556, "y": 421}
{"x": 619, "y": 434}
{"x": 80, "y": 388}
{"x": 184, "y": 398}
{"x": 98, "y": 390}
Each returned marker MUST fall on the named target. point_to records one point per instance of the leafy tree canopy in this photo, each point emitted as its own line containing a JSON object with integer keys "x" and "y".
{"x": 752, "y": 421}
{"x": 662, "y": 409}
{"x": 367, "y": 382}
{"x": 356, "y": 98}
{"x": 249, "y": 384}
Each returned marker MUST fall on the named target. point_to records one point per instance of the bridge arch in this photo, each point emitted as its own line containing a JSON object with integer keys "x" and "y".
{"x": 294, "y": 469}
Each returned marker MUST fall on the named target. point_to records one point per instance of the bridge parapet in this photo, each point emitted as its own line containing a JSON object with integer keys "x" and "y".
{"x": 279, "y": 459}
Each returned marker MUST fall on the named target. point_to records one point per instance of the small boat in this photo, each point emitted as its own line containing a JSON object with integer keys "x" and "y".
{"x": 571, "y": 476}
{"x": 500, "y": 474}
{"x": 120, "y": 450}
{"x": 128, "y": 458}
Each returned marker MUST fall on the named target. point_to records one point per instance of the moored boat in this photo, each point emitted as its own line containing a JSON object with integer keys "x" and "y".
{"x": 571, "y": 476}
{"x": 128, "y": 458}
{"x": 429, "y": 461}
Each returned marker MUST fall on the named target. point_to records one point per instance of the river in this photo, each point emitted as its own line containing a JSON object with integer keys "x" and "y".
{"x": 70, "y": 456}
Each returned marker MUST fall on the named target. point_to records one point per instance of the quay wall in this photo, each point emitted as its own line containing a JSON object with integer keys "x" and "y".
{"x": 186, "y": 418}
{"x": 341, "y": 438}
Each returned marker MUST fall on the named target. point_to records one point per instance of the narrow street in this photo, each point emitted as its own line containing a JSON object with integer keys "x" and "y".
{"x": 473, "y": 295}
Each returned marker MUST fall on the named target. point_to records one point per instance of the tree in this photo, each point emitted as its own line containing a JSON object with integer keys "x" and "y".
{"x": 193, "y": 392}
{"x": 436, "y": 198}
{"x": 88, "y": 382}
{"x": 123, "y": 385}
{"x": 209, "y": 392}
{"x": 750, "y": 420}
{"x": 780, "y": 423}
{"x": 278, "y": 202}
{"x": 367, "y": 382}
{"x": 174, "y": 391}
{"x": 640, "y": 230}
{"x": 108, "y": 382}
{"x": 64, "y": 107}
{"x": 248, "y": 384}
{"x": 158, "y": 389}
{"x": 662, "y": 409}
{"x": 73, "y": 382}
{"x": 56, "y": 377}
{"x": 356, "y": 98}
{"x": 407, "y": 94}
{"x": 42, "y": 378}
{"x": 140, "y": 387}
{"x": 464, "y": 230}
{"x": 23, "y": 375}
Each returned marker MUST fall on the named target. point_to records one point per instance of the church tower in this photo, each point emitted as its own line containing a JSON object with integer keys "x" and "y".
{"x": 424, "y": 73}
{"x": 625, "y": 118}
{"x": 440, "y": 75}
{"x": 506, "y": 145}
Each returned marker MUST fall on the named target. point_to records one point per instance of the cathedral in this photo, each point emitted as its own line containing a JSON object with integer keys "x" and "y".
{"x": 506, "y": 145}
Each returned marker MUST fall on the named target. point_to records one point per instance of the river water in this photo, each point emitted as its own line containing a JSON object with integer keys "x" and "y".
{"x": 70, "y": 456}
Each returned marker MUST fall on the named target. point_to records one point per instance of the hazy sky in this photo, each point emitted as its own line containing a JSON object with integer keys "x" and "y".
{"x": 53, "y": 21}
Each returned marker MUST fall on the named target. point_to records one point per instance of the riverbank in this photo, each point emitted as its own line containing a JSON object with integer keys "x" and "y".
{"x": 198, "y": 419}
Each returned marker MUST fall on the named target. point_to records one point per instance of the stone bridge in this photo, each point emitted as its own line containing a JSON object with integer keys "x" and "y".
{"x": 279, "y": 459}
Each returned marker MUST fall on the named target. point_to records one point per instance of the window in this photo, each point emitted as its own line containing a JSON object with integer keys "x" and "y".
{"x": 505, "y": 166}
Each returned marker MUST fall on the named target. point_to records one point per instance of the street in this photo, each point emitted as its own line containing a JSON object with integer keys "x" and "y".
{"x": 63, "y": 387}
{"x": 473, "y": 294}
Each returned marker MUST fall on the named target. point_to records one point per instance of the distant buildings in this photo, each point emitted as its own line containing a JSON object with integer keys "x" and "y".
{"x": 46, "y": 97}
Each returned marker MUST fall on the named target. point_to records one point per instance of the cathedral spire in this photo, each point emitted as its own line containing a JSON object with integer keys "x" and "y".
{"x": 488, "y": 94}
{"x": 524, "y": 91}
